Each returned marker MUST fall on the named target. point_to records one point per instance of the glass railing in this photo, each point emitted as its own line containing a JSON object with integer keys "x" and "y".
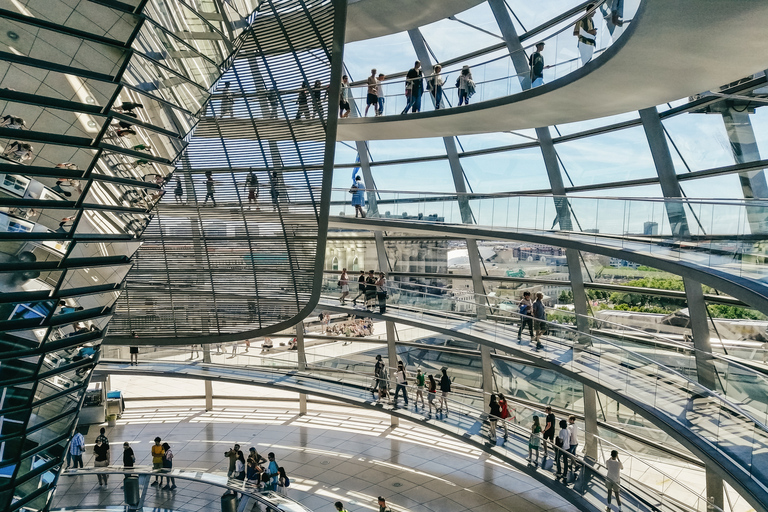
{"x": 713, "y": 422}
{"x": 744, "y": 385}
{"x": 462, "y": 415}
{"x": 247, "y": 489}
{"x": 714, "y": 233}
{"x": 494, "y": 76}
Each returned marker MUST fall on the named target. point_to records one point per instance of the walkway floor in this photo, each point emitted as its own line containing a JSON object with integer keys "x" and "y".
{"x": 332, "y": 453}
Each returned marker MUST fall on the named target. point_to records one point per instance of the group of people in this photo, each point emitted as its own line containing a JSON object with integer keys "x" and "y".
{"x": 264, "y": 473}
{"x": 251, "y": 183}
{"x": 357, "y": 328}
{"x": 372, "y": 287}
{"x": 424, "y": 384}
{"x": 534, "y": 316}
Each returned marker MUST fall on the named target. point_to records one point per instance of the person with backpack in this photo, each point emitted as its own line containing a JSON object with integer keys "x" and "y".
{"x": 401, "y": 383}
{"x": 493, "y": 416}
{"x": 283, "y": 482}
{"x": 612, "y": 480}
{"x": 370, "y": 291}
{"x": 563, "y": 445}
{"x": 273, "y": 472}
{"x": 381, "y": 295}
{"x": 129, "y": 459}
{"x": 524, "y": 310}
{"x": 170, "y": 482}
{"x": 101, "y": 460}
{"x": 383, "y": 382}
{"x": 465, "y": 85}
{"x": 76, "y": 450}
{"x": 435, "y": 84}
{"x": 340, "y": 507}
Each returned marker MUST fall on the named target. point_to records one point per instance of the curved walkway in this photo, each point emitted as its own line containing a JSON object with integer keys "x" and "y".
{"x": 462, "y": 422}
{"x": 719, "y": 272}
{"x": 253, "y": 496}
{"x": 670, "y": 50}
{"x": 714, "y": 429}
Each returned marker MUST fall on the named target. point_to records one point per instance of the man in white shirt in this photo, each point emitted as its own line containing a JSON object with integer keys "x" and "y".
{"x": 574, "y": 430}
{"x": 614, "y": 467}
{"x": 564, "y": 443}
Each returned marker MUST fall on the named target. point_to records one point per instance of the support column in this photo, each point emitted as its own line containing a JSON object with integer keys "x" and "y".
{"x": 488, "y": 387}
{"x": 365, "y": 167}
{"x": 450, "y": 143}
{"x": 208, "y": 384}
{"x": 392, "y": 361}
{"x": 512, "y": 40}
{"x": 590, "y": 422}
{"x": 302, "y": 364}
{"x": 665, "y": 169}
{"x": 697, "y": 310}
{"x": 481, "y": 302}
{"x": 745, "y": 149}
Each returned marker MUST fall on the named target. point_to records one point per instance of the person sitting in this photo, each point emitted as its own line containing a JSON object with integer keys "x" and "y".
{"x": 266, "y": 346}
{"x": 293, "y": 344}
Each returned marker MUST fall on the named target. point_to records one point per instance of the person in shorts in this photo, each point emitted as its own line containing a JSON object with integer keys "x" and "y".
{"x": 157, "y": 458}
{"x": 372, "y": 98}
{"x": 380, "y": 94}
{"x": 344, "y": 109}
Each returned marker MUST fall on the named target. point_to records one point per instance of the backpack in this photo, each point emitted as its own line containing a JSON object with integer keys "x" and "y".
{"x": 287, "y": 482}
{"x": 523, "y": 309}
{"x": 458, "y": 81}
{"x": 559, "y": 442}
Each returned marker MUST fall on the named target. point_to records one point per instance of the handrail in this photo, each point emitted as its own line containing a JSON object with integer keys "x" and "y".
{"x": 474, "y": 415}
{"x": 516, "y": 315}
{"x": 214, "y": 478}
{"x": 702, "y": 390}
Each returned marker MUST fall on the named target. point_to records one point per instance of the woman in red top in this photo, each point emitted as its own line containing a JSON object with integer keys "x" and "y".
{"x": 504, "y": 414}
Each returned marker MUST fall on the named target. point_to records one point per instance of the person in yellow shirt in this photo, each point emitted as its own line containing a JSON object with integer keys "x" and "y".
{"x": 157, "y": 457}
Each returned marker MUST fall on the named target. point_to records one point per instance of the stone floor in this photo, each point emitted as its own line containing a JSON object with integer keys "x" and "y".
{"x": 332, "y": 453}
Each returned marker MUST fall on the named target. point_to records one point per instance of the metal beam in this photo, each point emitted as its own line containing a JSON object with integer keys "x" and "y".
{"x": 392, "y": 361}
{"x": 665, "y": 168}
{"x": 512, "y": 41}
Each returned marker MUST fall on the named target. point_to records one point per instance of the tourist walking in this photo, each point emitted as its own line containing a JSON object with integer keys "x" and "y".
{"x": 414, "y": 88}
{"x": 587, "y": 34}
{"x": 401, "y": 381}
{"x": 252, "y": 184}
{"x": 376, "y": 374}
{"x": 381, "y": 295}
{"x": 370, "y": 290}
{"x": 383, "y": 505}
{"x": 227, "y": 101}
{"x": 372, "y": 98}
{"x": 420, "y": 382}
{"x": 549, "y": 431}
{"x": 178, "y": 191}
{"x": 360, "y": 287}
{"x": 436, "y": 83}
{"x": 563, "y": 447}
{"x": 303, "y": 101}
{"x": 445, "y": 389}
{"x": 465, "y": 85}
{"x": 504, "y": 414}
{"x": 101, "y": 450}
{"x": 534, "y": 441}
{"x": 380, "y": 94}
{"x": 340, "y": 507}
{"x": 358, "y": 197}
{"x": 76, "y": 449}
{"x": 344, "y": 109}
{"x": 170, "y": 482}
{"x": 283, "y": 482}
{"x": 536, "y": 63}
{"x": 383, "y": 381}
{"x": 273, "y": 470}
{"x": 210, "y": 186}
{"x": 239, "y": 471}
{"x": 431, "y": 394}
{"x": 494, "y": 415}
{"x": 540, "y": 324}
{"x": 344, "y": 284}
{"x": 524, "y": 310}
{"x": 613, "y": 479}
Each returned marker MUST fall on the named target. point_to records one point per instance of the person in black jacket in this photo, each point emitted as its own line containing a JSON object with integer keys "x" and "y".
{"x": 360, "y": 287}
{"x": 493, "y": 416}
{"x": 414, "y": 88}
{"x": 445, "y": 388}
{"x": 536, "y": 61}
